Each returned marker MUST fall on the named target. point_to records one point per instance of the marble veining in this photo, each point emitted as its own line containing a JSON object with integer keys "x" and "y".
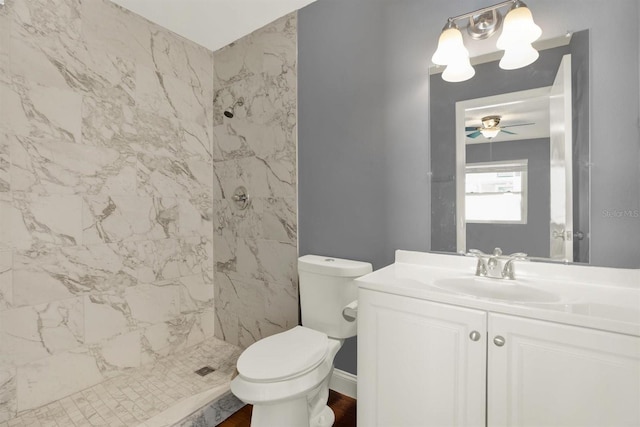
{"x": 6, "y": 280}
{"x": 213, "y": 414}
{"x": 256, "y": 288}
{"x": 119, "y": 244}
{"x": 66, "y": 168}
{"x": 5, "y": 162}
{"x": 156, "y": 394}
{"x": 106, "y": 197}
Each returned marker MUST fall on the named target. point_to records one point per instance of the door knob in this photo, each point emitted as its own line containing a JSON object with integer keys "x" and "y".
{"x": 474, "y": 335}
{"x": 499, "y": 341}
{"x": 562, "y": 234}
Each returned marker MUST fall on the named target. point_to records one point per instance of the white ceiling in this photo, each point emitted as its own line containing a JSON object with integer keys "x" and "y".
{"x": 213, "y": 23}
{"x": 515, "y": 112}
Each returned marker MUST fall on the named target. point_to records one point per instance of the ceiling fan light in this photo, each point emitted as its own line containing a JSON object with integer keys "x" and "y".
{"x": 490, "y": 132}
{"x": 458, "y": 71}
{"x": 450, "y": 46}
{"x": 518, "y": 27}
{"x": 518, "y": 56}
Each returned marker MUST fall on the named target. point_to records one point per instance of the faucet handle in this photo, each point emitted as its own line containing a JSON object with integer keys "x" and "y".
{"x": 518, "y": 256}
{"x": 508, "y": 269}
{"x": 481, "y": 267}
{"x": 476, "y": 252}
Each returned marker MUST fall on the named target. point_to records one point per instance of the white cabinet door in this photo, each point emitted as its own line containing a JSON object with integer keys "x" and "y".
{"x": 548, "y": 374}
{"x": 417, "y": 365}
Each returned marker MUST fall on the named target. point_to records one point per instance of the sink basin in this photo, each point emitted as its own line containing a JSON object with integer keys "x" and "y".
{"x": 496, "y": 289}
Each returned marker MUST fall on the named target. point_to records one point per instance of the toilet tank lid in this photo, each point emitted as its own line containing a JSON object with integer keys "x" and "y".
{"x": 331, "y": 266}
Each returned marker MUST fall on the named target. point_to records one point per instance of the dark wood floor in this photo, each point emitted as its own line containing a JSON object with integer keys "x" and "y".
{"x": 343, "y": 406}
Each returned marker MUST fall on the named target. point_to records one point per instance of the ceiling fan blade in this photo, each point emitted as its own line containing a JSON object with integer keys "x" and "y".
{"x": 474, "y": 134}
{"x": 521, "y": 124}
{"x": 506, "y": 131}
{"x": 470, "y": 128}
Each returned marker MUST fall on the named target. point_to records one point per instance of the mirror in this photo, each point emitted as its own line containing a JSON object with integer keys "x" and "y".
{"x": 510, "y": 156}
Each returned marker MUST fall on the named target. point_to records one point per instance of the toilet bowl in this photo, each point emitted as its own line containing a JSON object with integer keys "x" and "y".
{"x": 286, "y": 376}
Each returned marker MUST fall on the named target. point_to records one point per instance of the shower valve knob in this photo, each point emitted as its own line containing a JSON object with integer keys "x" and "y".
{"x": 240, "y": 198}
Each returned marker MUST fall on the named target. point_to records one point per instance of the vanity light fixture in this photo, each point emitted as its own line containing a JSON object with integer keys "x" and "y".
{"x": 452, "y": 53}
{"x": 518, "y": 33}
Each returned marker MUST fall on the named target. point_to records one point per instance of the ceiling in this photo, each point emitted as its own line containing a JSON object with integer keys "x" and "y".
{"x": 514, "y": 112}
{"x": 212, "y": 23}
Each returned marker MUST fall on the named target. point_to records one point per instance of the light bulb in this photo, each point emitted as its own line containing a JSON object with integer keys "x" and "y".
{"x": 458, "y": 71}
{"x": 450, "y": 47}
{"x": 518, "y": 56}
{"x": 490, "y": 132}
{"x": 518, "y": 28}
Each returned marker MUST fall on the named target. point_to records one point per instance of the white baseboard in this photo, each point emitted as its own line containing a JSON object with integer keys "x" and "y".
{"x": 344, "y": 383}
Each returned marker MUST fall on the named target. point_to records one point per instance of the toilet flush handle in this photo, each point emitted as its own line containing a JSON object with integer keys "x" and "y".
{"x": 350, "y": 311}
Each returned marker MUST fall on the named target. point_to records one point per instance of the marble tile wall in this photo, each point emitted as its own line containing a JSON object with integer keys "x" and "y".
{"x": 256, "y": 279}
{"x": 106, "y": 194}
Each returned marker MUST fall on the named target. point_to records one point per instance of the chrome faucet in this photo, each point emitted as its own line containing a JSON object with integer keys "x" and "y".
{"x": 481, "y": 266}
{"x": 493, "y": 264}
{"x": 508, "y": 271}
{"x": 496, "y": 265}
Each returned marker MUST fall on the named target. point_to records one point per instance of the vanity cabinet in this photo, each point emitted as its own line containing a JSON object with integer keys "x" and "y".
{"x": 549, "y": 374}
{"x": 416, "y": 362}
{"x": 422, "y": 363}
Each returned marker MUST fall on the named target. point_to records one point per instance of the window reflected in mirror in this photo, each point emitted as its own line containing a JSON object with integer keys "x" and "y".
{"x": 496, "y": 192}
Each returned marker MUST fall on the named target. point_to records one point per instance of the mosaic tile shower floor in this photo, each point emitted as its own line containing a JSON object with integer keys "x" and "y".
{"x": 143, "y": 397}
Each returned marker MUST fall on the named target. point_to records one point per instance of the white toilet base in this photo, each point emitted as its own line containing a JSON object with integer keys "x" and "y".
{"x": 309, "y": 410}
{"x": 292, "y": 413}
{"x": 325, "y": 419}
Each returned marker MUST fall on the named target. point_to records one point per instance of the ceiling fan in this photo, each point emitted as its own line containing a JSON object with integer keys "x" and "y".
{"x": 491, "y": 128}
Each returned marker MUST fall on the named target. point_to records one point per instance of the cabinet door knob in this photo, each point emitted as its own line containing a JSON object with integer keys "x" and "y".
{"x": 474, "y": 335}
{"x": 499, "y": 341}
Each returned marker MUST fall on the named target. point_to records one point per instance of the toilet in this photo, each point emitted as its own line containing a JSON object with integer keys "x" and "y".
{"x": 286, "y": 376}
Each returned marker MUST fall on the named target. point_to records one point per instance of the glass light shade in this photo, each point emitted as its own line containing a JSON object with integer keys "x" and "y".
{"x": 458, "y": 71}
{"x": 518, "y": 56}
{"x": 490, "y": 133}
{"x": 518, "y": 28}
{"x": 450, "y": 47}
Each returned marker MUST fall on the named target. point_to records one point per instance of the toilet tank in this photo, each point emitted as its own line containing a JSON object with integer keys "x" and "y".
{"x": 326, "y": 286}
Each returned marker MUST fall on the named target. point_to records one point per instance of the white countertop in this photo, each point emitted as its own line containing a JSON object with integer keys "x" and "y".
{"x": 595, "y": 297}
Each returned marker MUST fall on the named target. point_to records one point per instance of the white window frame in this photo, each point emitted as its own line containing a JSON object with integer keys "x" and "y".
{"x": 519, "y": 165}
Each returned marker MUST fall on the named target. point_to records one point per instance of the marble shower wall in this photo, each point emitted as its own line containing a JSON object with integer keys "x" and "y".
{"x": 106, "y": 195}
{"x": 256, "y": 278}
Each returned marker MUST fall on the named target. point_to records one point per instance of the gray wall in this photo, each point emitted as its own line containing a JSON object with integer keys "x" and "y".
{"x": 364, "y": 131}
{"x": 363, "y": 163}
{"x": 531, "y": 238}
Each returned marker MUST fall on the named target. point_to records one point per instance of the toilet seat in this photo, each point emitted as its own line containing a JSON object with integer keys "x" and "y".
{"x": 283, "y": 356}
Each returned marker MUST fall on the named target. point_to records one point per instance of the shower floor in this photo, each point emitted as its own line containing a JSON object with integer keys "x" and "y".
{"x": 162, "y": 393}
